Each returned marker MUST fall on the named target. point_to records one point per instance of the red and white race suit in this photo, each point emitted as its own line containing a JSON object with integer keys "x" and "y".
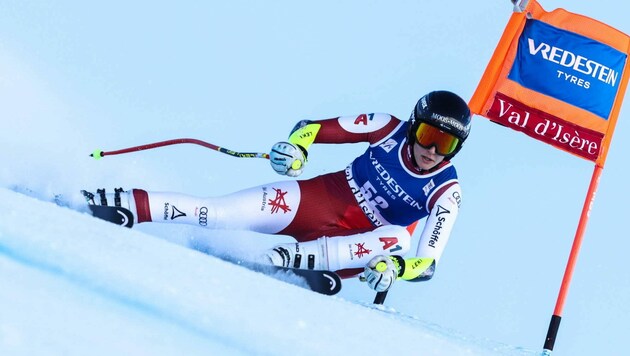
{"x": 363, "y": 210}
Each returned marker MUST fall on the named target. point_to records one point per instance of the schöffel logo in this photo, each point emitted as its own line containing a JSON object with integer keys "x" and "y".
{"x": 569, "y": 67}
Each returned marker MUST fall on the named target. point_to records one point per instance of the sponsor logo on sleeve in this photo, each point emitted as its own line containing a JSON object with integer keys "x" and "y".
{"x": 458, "y": 198}
{"x": 363, "y": 119}
{"x": 437, "y": 228}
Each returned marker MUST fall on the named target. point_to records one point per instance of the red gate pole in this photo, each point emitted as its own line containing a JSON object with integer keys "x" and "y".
{"x": 554, "y": 325}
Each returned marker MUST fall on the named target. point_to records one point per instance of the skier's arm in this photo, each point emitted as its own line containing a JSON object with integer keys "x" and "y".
{"x": 444, "y": 207}
{"x": 344, "y": 129}
{"x": 289, "y": 158}
{"x": 382, "y": 271}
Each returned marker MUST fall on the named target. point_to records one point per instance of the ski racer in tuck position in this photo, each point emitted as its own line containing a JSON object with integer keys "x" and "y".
{"x": 354, "y": 220}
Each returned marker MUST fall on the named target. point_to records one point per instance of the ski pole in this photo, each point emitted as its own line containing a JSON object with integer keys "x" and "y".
{"x": 380, "y": 297}
{"x": 97, "y": 154}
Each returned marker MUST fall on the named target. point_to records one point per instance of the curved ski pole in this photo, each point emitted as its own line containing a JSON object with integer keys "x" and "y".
{"x": 97, "y": 154}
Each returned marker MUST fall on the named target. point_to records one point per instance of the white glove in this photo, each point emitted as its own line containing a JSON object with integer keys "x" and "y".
{"x": 287, "y": 159}
{"x": 380, "y": 273}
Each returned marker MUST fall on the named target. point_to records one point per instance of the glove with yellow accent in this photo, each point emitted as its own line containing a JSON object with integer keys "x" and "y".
{"x": 287, "y": 159}
{"x": 381, "y": 271}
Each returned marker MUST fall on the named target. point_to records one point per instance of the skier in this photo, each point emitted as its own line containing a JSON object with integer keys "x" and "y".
{"x": 355, "y": 220}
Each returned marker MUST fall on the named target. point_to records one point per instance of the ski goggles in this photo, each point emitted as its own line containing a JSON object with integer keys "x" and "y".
{"x": 428, "y": 136}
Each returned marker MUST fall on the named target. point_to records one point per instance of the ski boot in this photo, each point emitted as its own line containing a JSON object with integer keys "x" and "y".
{"x": 302, "y": 255}
{"x": 116, "y": 208}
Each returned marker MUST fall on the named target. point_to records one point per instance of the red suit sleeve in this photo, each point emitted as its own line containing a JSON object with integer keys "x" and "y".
{"x": 361, "y": 128}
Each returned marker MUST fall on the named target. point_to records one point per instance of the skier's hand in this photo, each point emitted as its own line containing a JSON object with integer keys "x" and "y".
{"x": 381, "y": 272}
{"x": 287, "y": 158}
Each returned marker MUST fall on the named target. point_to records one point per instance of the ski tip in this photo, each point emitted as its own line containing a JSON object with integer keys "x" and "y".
{"x": 114, "y": 214}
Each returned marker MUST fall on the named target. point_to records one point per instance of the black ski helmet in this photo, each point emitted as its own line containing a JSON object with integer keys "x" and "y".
{"x": 444, "y": 110}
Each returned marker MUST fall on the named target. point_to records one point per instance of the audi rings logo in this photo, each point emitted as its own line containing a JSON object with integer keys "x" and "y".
{"x": 203, "y": 216}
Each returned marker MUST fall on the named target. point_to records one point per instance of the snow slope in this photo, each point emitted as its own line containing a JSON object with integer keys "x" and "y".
{"x": 79, "y": 76}
{"x": 75, "y": 285}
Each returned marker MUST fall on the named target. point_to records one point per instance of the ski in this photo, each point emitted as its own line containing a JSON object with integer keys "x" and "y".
{"x": 319, "y": 281}
{"x": 114, "y": 214}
